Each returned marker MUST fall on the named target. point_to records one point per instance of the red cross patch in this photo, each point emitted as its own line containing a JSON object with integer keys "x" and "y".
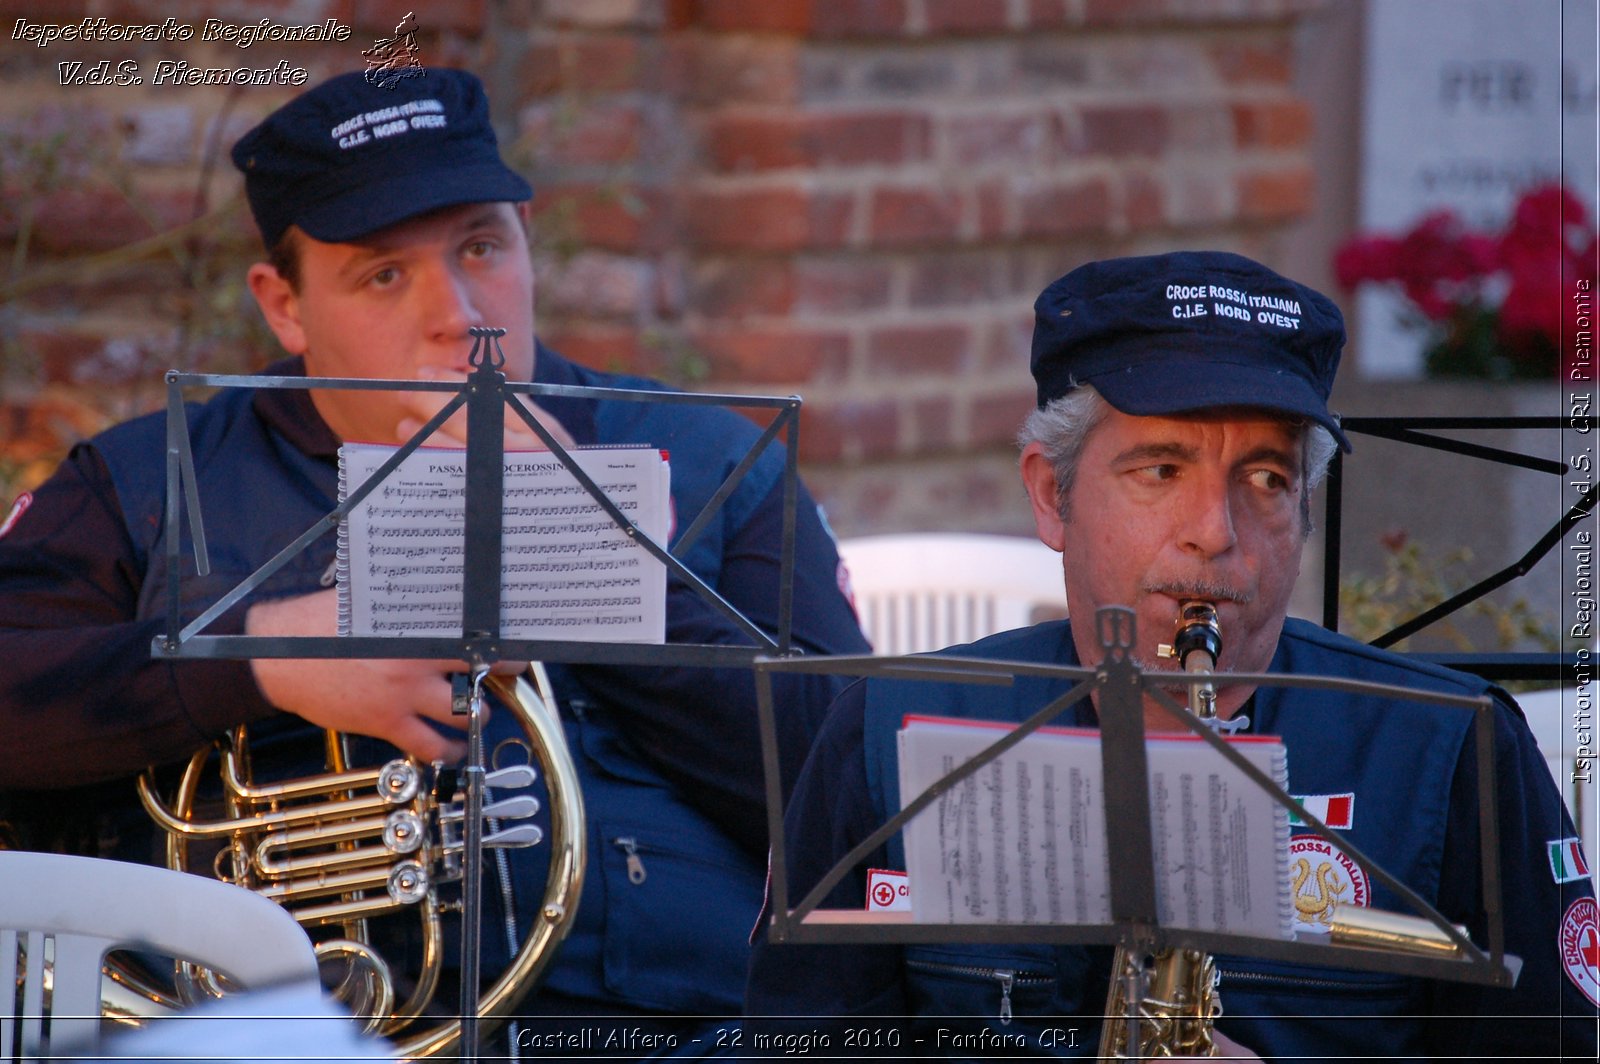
{"x": 1580, "y": 948}
{"x": 888, "y": 891}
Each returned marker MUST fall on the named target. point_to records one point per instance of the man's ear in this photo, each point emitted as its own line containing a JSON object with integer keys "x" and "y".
{"x": 1039, "y": 478}
{"x": 279, "y": 305}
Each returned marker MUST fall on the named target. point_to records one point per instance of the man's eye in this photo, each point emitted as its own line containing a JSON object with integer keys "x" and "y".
{"x": 384, "y": 278}
{"x": 1156, "y": 473}
{"x": 1268, "y": 479}
{"x": 479, "y": 249}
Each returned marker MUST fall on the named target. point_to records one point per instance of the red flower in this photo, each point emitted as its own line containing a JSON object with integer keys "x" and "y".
{"x": 1368, "y": 258}
{"x": 1437, "y": 262}
{"x": 1547, "y": 246}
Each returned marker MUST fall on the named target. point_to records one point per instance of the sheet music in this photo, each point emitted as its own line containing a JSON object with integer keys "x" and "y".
{"x": 567, "y": 570}
{"x": 1023, "y": 840}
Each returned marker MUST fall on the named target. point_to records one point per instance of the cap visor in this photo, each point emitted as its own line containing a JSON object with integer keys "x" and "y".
{"x": 377, "y": 205}
{"x": 1156, "y": 389}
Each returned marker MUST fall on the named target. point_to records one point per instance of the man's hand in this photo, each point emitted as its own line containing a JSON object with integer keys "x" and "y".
{"x": 453, "y": 433}
{"x": 390, "y": 700}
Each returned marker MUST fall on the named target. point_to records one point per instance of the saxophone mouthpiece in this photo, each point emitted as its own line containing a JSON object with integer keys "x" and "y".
{"x": 1198, "y": 632}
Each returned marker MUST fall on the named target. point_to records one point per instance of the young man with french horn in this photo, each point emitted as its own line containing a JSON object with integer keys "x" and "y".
{"x": 1171, "y": 461}
{"x": 393, "y": 227}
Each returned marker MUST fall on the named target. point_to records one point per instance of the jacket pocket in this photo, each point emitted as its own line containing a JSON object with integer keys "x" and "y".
{"x": 987, "y": 985}
{"x": 678, "y": 915}
{"x": 1337, "y": 1013}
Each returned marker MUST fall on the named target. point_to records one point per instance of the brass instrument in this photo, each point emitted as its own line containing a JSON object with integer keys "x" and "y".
{"x": 357, "y": 844}
{"x": 1176, "y": 988}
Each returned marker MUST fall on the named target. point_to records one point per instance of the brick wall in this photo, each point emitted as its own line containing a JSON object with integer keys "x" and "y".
{"x": 853, "y": 200}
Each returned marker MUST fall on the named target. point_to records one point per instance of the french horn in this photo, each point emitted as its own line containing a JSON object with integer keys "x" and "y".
{"x": 354, "y": 845}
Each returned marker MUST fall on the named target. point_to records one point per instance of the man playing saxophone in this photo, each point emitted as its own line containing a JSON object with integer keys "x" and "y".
{"x": 392, "y": 228}
{"x": 1182, "y": 426}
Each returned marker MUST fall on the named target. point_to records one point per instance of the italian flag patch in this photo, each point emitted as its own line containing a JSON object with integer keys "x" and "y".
{"x": 1566, "y": 860}
{"x": 1334, "y": 810}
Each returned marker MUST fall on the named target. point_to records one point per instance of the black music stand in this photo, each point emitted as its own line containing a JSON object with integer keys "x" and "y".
{"x": 485, "y": 394}
{"x": 1121, "y": 685}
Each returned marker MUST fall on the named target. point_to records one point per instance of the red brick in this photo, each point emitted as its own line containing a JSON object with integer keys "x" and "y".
{"x": 918, "y": 351}
{"x": 595, "y": 133}
{"x": 1007, "y": 346}
{"x": 989, "y": 210}
{"x": 1064, "y": 210}
{"x": 817, "y": 444}
{"x": 1143, "y": 203}
{"x": 586, "y": 62}
{"x": 619, "y": 218}
{"x": 1276, "y": 195}
{"x": 605, "y": 14}
{"x": 859, "y": 18}
{"x": 45, "y": 425}
{"x": 914, "y": 215}
{"x": 966, "y": 16}
{"x": 849, "y": 429}
{"x": 974, "y": 488}
{"x": 780, "y": 354}
{"x": 96, "y": 219}
{"x": 1185, "y": 12}
{"x": 933, "y": 423}
{"x": 196, "y": 11}
{"x": 962, "y": 277}
{"x": 737, "y": 287}
{"x": 380, "y": 17}
{"x": 995, "y": 418}
{"x": 716, "y": 71}
{"x": 597, "y": 285}
{"x": 785, "y": 139}
{"x": 768, "y": 219}
{"x": 1049, "y": 14}
{"x": 1254, "y": 61}
{"x": 1199, "y": 197}
{"x": 62, "y": 354}
{"x": 834, "y": 285}
{"x": 678, "y": 15}
{"x": 614, "y": 349}
{"x": 763, "y": 16}
{"x": 990, "y": 139}
{"x": 1271, "y": 124}
{"x": 1120, "y": 131}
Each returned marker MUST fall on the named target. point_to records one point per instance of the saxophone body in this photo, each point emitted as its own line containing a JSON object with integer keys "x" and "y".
{"x": 1176, "y": 989}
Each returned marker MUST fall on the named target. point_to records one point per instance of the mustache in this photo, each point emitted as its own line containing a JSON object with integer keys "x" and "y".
{"x": 1208, "y": 590}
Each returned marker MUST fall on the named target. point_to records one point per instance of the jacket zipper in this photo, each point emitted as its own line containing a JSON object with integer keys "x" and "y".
{"x": 1228, "y": 975}
{"x": 630, "y": 846}
{"x": 1008, "y": 978}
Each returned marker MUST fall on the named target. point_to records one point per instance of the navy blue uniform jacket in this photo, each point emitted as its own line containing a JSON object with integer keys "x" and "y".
{"x": 668, "y": 757}
{"x": 1411, "y": 770}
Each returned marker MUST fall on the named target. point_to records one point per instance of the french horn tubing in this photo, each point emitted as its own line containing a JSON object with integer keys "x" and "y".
{"x": 357, "y": 844}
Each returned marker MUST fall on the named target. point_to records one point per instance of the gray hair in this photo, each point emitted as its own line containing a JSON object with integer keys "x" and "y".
{"x": 1062, "y": 428}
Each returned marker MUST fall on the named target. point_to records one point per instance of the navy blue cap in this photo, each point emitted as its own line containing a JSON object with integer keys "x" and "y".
{"x": 1187, "y": 331}
{"x": 348, "y": 158}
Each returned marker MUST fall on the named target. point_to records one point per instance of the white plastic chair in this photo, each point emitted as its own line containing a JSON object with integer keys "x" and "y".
{"x": 60, "y": 916}
{"x": 922, "y": 591}
{"x": 1550, "y": 715}
{"x": 295, "y": 1023}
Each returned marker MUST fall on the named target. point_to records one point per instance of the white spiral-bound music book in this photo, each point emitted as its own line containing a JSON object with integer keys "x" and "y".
{"x": 568, "y": 571}
{"x": 1023, "y": 839}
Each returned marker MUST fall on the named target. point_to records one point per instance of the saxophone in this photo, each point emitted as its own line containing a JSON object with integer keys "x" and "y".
{"x": 1176, "y": 988}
